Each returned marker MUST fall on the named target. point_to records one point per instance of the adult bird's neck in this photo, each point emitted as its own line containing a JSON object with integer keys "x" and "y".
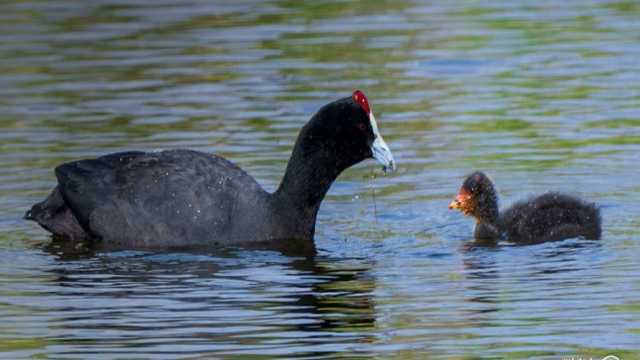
{"x": 314, "y": 165}
{"x": 309, "y": 175}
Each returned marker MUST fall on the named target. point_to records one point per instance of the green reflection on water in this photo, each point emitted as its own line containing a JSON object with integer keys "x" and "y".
{"x": 578, "y": 143}
{"x": 614, "y": 123}
{"x": 498, "y": 125}
{"x": 629, "y": 8}
{"x": 22, "y": 344}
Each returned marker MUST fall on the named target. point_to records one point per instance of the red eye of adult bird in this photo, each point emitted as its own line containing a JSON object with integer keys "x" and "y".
{"x": 379, "y": 147}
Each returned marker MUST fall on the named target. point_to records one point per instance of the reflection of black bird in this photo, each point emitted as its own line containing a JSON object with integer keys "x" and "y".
{"x": 184, "y": 198}
{"x": 342, "y": 302}
{"x": 213, "y": 305}
{"x": 551, "y": 216}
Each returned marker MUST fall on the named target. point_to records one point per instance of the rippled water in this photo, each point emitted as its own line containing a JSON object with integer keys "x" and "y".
{"x": 543, "y": 95}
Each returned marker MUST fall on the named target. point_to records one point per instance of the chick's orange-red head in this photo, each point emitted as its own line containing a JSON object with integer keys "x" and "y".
{"x": 463, "y": 201}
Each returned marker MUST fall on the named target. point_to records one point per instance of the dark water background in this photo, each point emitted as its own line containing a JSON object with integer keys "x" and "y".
{"x": 541, "y": 95}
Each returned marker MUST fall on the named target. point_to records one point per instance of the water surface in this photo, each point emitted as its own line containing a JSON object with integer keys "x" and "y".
{"x": 541, "y": 96}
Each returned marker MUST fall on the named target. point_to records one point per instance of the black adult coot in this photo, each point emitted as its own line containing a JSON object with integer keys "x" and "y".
{"x": 183, "y": 198}
{"x": 550, "y": 216}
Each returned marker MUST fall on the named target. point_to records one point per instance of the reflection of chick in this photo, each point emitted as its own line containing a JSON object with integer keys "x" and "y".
{"x": 550, "y": 216}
